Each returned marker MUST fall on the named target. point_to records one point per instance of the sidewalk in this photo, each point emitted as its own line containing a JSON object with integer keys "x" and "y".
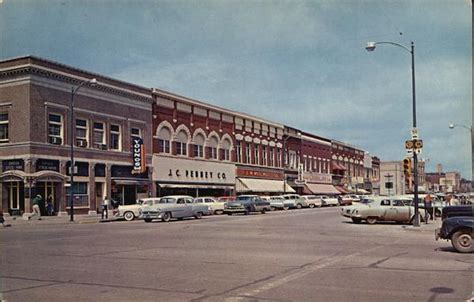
{"x": 56, "y": 220}
{"x": 429, "y": 228}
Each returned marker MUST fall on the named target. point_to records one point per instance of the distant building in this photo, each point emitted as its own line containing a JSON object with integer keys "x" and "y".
{"x": 392, "y": 180}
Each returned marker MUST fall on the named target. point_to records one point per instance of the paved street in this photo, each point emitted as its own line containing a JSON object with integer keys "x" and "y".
{"x": 299, "y": 255}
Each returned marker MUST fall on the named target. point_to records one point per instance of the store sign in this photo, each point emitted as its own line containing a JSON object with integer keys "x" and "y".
{"x": 259, "y": 174}
{"x": 13, "y": 164}
{"x": 317, "y": 177}
{"x": 48, "y": 165}
{"x": 170, "y": 169}
{"x": 138, "y": 153}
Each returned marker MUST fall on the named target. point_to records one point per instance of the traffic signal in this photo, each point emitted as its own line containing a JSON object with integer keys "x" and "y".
{"x": 407, "y": 167}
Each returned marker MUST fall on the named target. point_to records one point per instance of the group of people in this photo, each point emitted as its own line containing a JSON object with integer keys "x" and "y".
{"x": 38, "y": 205}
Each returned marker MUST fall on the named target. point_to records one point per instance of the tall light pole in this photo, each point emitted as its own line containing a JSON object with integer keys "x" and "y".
{"x": 452, "y": 126}
{"x": 74, "y": 90}
{"x": 371, "y": 47}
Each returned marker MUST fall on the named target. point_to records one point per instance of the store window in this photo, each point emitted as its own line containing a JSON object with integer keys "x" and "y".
{"x": 181, "y": 143}
{"x": 199, "y": 145}
{"x": 98, "y": 136}
{"x": 3, "y": 127}
{"x": 212, "y": 147}
{"x": 81, "y": 196}
{"x": 81, "y": 133}
{"x": 164, "y": 139}
{"x": 115, "y": 137}
{"x": 55, "y": 129}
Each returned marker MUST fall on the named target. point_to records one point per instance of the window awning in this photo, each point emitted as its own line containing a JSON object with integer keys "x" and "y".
{"x": 130, "y": 182}
{"x": 262, "y": 185}
{"x": 336, "y": 166}
{"x": 362, "y": 191}
{"x": 342, "y": 189}
{"x": 322, "y": 189}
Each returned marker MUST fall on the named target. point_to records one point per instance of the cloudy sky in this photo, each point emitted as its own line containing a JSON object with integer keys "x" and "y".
{"x": 301, "y": 63}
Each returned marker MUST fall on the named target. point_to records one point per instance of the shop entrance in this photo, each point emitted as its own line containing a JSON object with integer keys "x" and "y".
{"x": 15, "y": 197}
{"x": 125, "y": 194}
{"x": 48, "y": 189}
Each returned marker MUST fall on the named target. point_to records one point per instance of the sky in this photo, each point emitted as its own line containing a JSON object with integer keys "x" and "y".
{"x": 299, "y": 63}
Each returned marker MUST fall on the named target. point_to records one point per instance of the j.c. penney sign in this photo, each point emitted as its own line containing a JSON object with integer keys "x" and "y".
{"x": 138, "y": 152}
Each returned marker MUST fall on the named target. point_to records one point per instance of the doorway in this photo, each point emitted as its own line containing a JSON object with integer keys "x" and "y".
{"x": 15, "y": 197}
{"x": 47, "y": 189}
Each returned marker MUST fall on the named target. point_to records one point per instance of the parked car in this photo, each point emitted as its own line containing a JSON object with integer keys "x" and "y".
{"x": 327, "y": 201}
{"x": 246, "y": 204}
{"x": 215, "y": 207}
{"x": 276, "y": 202}
{"x": 457, "y": 226}
{"x": 345, "y": 200}
{"x": 312, "y": 201}
{"x": 293, "y": 201}
{"x": 177, "y": 206}
{"x": 375, "y": 209}
{"x": 132, "y": 211}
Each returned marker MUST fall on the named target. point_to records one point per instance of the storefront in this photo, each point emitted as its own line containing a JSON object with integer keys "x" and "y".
{"x": 194, "y": 177}
{"x": 318, "y": 184}
{"x": 128, "y": 187}
{"x": 261, "y": 181}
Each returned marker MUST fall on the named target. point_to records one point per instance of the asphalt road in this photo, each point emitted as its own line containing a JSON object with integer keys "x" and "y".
{"x": 298, "y": 255}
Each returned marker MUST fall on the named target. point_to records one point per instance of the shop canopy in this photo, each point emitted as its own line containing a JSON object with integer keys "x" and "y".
{"x": 342, "y": 189}
{"x": 262, "y": 185}
{"x": 322, "y": 188}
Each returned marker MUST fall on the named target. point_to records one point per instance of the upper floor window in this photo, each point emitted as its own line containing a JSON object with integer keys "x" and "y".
{"x": 164, "y": 138}
{"x": 213, "y": 147}
{"x": 3, "y": 127}
{"x": 272, "y": 157}
{"x": 265, "y": 156}
{"x": 55, "y": 129}
{"x": 199, "y": 145}
{"x": 247, "y": 153}
{"x": 182, "y": 143}
{"x": 238, "y": 152}
{"x": 256, "y": 154}
{"x": 115, "y": 136}
{"x": 136, "y": 133}
{"x": 225, "y": 153}
{"x": 81, "y": 133}
{"x": 278, "y": 155}
{"x": 98, "y": 136}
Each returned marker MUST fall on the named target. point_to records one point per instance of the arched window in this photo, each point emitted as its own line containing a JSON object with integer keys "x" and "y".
{"x": 164, "y": 138}
{"x": 212, "y": 149}
{"x": 181, "y": 143}
{"x": 225, "y": 154}
{"x": 199, "y": 145}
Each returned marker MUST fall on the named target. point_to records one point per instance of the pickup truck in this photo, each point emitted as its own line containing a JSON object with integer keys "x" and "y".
{"x": 457, "y": 226}
{"x": 246, "y": 204}
{"x": 174, "y": 206}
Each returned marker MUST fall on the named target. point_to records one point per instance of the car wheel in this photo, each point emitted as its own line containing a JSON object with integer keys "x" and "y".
{"x": 147, "y": 220}
{"x": 438, "y": 213}
{"x": 230, "y": 214}
{"x": 129, "y": 216}
{"x": 371, "y": 220}
{"x": 247, "y": 211}
{"x": 198, "y": 215}
{"x": 166, "y": 217}
{"x": 311, "y": 205}
{"x": 356, "y": 220}
{"x": 263, "y": 211}
{"x": 299, "y": 206}
{"x": 285, "y": 208}
{"x": 462, "y": 241}
{"x": 219, "y": 212}
{"x": 272, "y": 209}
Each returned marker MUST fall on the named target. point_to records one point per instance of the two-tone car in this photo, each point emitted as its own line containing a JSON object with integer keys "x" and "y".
{"x": 276, "y": 202}
{"x": 132, "y": 211}
{"x": 328, "y": 201}
{"x": 174, "y": 206}
{"x": 245, "y": 204}
{"x": 215, "y": 207}
{"x": 382, "y": 208}
{"x": 312, "y": 201}
{"x": 293, "y": 201}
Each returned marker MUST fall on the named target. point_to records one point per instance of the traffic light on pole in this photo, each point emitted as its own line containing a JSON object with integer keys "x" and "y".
{"x": 407, "y": 167}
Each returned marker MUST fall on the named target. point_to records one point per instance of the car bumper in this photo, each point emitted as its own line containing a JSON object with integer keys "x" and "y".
{"x": 152, "y": 216}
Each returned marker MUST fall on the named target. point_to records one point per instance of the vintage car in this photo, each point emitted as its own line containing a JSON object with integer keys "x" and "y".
{"x": 312, "y": 201}
{"x": 458, "y": 226}
{"x": 174, "y": 206}
{"x": 382, "y": 208}
{"x": 293, "y": 201}
{"x": 276, "y": 202}
{"x": 131, "y": 211}
{"x": 215, "y": 207}
{"x": 246, "y": 204}
{"x": 327, "y": 201}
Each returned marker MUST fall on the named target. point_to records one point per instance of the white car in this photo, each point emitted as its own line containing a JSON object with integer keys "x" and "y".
{"x": 276, "y": 202}
{"x": 293, "y": 201}
{"x": 312, "y": 201}
{"x": 174, "y": 206}
{"x": 132, "y": 211}
{"x": 215, "y": 207}
{"x": 327, "y": 201}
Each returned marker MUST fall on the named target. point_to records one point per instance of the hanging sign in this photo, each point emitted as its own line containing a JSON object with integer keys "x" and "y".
{"x": 138, "y": 153}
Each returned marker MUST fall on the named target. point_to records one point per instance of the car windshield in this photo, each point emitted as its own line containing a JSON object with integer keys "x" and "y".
{"x": 167, "y": 200}
{"x": 366, "y": 201}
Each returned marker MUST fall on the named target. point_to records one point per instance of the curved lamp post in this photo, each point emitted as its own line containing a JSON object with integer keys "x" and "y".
{"x": 452, "y": 126}
{"x": 371, "y": 47}
{"x": 91, "y": 82}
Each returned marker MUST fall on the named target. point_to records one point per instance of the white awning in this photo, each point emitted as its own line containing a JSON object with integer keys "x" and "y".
{"x": 262, "y": 185}
{"x": 362, "y": 191}
{"x": 322, "y": 189}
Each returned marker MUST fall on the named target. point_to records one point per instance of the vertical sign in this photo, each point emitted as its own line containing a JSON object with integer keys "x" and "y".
{"x": 138, "y": 155}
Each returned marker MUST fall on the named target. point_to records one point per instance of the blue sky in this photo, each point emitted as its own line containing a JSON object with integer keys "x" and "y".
{"x": 301, "y": 63}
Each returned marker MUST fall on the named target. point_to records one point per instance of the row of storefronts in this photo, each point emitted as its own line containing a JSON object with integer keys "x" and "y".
{"x": 132, "y": 142}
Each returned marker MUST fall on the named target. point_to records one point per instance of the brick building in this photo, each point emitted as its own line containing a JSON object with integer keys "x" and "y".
{"x": 347, "y": 166}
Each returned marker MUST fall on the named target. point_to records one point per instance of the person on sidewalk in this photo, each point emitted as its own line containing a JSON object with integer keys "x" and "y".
{"x": 2, "y": 219}
{"x": 105, "y": 208}
{"x": 37, "y": 200}
{"x": 49, "y": 205}
{"x": 428, "y": 206}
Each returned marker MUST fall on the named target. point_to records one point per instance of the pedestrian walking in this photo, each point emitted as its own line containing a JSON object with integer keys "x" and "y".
{"x": 427, "y": 202}
{"x": 36, "y": 202}
{"x": 105, "y": 208}
{"x": 49, "y": 205}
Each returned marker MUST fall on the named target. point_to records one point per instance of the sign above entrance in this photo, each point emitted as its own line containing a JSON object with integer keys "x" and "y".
{"x": 13, "y": 164}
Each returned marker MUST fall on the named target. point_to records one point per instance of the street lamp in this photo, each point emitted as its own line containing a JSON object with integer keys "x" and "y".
{"x": 452, "y": 126}
{"x": 91, "y": 82}
{"x": 371, "y": 47}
